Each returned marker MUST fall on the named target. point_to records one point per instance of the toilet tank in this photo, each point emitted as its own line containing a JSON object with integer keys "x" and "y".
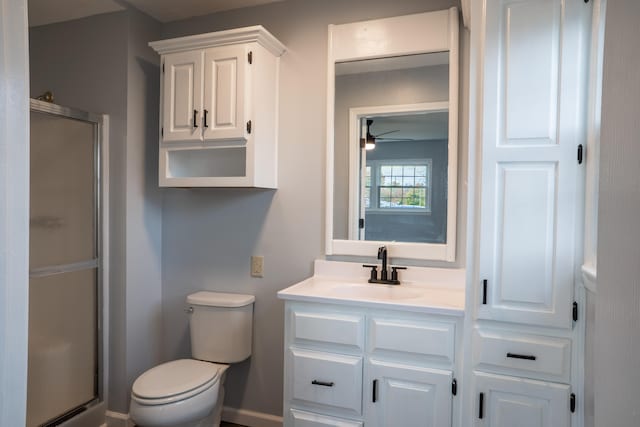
{"x": 221, "y": 326}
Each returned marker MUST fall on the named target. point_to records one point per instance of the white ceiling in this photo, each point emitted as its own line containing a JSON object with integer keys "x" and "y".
{"x": 42, "y": 12}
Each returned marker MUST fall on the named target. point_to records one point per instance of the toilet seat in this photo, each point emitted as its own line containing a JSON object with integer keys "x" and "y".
{"x": 175, "y": 381}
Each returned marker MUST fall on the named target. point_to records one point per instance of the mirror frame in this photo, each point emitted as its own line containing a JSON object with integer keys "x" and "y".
{"x": 402, "y": 35}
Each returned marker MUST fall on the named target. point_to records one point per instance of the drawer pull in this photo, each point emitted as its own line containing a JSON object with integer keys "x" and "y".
{"x": 322, "y": 383}
{"x": 521, "y": 356}
{"x": 374, "y": 398}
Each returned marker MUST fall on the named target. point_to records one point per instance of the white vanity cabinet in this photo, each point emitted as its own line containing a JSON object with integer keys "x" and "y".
{"x": 219, "y": 103}
{"x": 354, "y": 366}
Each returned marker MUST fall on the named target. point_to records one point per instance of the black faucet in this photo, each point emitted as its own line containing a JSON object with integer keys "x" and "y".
{"x": 382, "y": 254}
{"x": 384, "y": 274}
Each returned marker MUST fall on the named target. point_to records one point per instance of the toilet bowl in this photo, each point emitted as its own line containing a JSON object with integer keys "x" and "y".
{"x": 181, "y": 393}
{"x": 190, "y": 392}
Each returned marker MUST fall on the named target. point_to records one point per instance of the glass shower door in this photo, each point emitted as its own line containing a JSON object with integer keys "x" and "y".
{"x": 64, "y": 267}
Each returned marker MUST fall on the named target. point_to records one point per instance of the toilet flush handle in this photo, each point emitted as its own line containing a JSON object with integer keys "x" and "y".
{"x": 188, "y": 310}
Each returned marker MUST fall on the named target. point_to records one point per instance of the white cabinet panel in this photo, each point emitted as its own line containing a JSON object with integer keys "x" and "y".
{"x": 182, "y": 96}
{"x": 327, "y": 379}
{"x": 523, "y": 354}
{"x": 309, "y": 419}
{"x": 533, "y": 122}
{"x": 328, "y": 328}
{"x": 531, "y": 42}
{"x": 224, "y": 95}
{"x": 418, "y": 337}
{"x": 514, "y": 402}
{"x": 407, "y": 396}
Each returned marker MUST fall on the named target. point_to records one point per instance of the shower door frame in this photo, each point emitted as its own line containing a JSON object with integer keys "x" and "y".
{"x": 101, "y": 186}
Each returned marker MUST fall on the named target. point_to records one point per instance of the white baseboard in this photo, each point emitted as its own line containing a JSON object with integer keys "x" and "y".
{"x": 116, "y": 419}
{"x": 243, "y": 417}
{"x": 249, "y": 418}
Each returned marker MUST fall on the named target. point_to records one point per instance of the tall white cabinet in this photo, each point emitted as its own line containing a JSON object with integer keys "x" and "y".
{"x": 219, "y": 109}
{"x": 532, "y": 60}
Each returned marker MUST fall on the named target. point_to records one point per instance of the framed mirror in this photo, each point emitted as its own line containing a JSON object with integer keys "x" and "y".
{"x": 392, "y": 120}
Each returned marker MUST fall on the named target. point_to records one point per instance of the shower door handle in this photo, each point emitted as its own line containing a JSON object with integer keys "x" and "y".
{"x": 195, "y": 118}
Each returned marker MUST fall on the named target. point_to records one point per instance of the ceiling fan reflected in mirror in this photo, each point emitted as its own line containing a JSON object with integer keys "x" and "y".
{"x": 369, "y": 142}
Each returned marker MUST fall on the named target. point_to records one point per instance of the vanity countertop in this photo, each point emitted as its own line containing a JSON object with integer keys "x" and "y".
{"x": 335, "y": 283}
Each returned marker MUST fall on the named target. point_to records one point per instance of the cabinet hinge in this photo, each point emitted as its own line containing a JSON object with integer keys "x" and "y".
{"x": 249, "y": 126}
{"x": 250, "y": 57}
{"x": 580, "y": 153}
{"x": 572, "y": 403}
{"x": 361, "y": 223}
{"x": 454, "y": 387}
{"x": 574, "y": 312}
{"x": 484, "y": 291}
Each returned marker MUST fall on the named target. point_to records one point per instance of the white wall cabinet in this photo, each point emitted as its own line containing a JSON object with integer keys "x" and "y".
{"x": 345, "y": 366}
{"x": 219, "y": 96}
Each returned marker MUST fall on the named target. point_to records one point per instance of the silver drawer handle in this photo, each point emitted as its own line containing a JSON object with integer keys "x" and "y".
{"x": 521, "y": 356}
{"x": 322, "y": 383}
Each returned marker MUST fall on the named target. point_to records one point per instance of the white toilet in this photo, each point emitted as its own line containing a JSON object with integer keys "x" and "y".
{"x": 190, "y": 392}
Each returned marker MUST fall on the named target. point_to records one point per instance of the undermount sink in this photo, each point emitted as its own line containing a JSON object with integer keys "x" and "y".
{"x": 377, "y": 292}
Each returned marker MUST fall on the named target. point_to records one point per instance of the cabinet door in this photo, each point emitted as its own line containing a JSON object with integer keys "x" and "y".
{"x": 407, "y": 396}
{"x": 182, "y": 96}
{"x": 225, "y": 85}
{"x": 533, "y": 122}
{"x": 503, "y": 401}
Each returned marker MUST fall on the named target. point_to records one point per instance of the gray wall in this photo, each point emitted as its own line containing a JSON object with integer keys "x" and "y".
{"x": 143, "y": 204}
{"x": 14, "y": 211}
{"x": 210, "y": 234}
{"x": 102, "y": 64}
{"x": 617, "y": 325}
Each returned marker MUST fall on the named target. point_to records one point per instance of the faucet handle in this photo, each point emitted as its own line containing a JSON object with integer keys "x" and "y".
{"x": 374, "y": 272}
{"x": 394, "y": 272}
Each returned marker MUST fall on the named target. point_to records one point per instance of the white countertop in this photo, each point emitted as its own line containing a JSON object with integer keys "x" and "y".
{"x": 436, "y": 291}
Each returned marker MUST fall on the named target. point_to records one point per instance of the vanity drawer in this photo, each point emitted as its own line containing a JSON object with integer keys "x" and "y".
{"x": 533, "y": 355}
{"x": 328, "y": 379}
{"x": 415, "y": 336}
{"x": 324, "y": 327}
{"x": 309, "y": 419}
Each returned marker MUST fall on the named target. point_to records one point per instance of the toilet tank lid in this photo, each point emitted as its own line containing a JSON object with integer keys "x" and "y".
{"x": 218, "y": 299}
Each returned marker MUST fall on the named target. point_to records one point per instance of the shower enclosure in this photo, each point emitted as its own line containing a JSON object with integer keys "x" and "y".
{"x": 66, "y": 264}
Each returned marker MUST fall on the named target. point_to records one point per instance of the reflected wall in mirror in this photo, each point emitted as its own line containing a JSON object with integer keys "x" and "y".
{"x": 393, "y": 83}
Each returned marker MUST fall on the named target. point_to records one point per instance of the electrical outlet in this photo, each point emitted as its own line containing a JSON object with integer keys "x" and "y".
{"x": 257, "y": 265}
